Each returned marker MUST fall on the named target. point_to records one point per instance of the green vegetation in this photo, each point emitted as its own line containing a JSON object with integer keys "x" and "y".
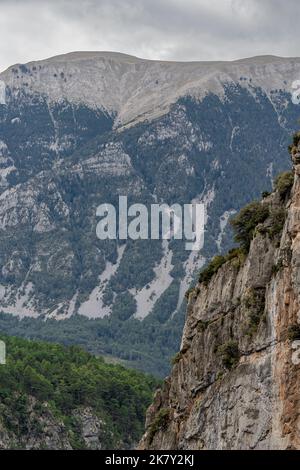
{"x": 275, "y": 223}
{"x": 159, "y": 423}
{"x": 69, "y": 259}
{"x": 283, "y": 183}
{"x": 166, "y": 304}
{"x": 248, "y": 222}
{"x": 296, "y": 140}
{"x": 68, "y": 379}
{"x": 229, "y": 353}
{"x": 237, "y": 255}
{"x": 254, "y": 303}
{"x": 211, "y": 269}
{"x": 124, "y": 306}
{"x": 147, "y": 345}
{"x": 277, "y": 219}
{"x": 245, "y": 222}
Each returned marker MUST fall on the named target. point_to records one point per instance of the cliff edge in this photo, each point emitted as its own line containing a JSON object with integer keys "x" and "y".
{"x": 235, "y": 382}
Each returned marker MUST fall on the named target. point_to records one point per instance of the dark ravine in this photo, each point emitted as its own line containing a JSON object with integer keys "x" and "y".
{"x": 235, "y": 383}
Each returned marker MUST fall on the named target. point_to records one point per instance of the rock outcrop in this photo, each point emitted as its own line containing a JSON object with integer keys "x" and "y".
{"x": 44, "y": 430}
{"x": 235, "y": 383}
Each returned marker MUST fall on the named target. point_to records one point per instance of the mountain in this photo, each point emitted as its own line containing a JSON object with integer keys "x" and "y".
{"x": 81, "y": 129}
{"x": 235, "y": 381}
{"x": 55, "y": 398}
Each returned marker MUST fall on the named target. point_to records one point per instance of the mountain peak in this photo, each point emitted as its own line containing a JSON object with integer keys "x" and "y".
{"x": 78, "y": 56}
{"x": 135, "y": 89}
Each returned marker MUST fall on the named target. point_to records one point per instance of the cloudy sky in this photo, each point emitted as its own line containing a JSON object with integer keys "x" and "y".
{"x": 154, "y": 29}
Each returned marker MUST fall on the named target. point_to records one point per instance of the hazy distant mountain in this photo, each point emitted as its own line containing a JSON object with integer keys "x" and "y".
{"x": 79, "y": 130}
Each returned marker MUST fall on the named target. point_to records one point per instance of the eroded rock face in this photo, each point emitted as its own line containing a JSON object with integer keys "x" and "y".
{"x": 235, "y": 383}
{"x": 44, "y": 430}
{"x": 91, "y": 428}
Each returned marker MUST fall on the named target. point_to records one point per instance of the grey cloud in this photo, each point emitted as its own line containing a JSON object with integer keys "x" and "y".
{"x": 154, "y": 29}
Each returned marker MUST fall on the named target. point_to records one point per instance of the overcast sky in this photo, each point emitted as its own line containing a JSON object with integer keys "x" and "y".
{"x": 153, "y": 29}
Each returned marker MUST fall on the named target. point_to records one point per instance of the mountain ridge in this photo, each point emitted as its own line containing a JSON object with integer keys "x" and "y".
{"x": 133, "y": 89}
{"x": 115, "y": 55}
{"x": 61, "y": 157}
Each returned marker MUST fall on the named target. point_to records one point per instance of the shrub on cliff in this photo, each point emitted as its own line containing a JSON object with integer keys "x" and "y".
{"x": 159, "y": 423}
{"x": 277, "y": 219}
{"x": 236, "y": 255}
{"x": 296, "y": 138}
{"x": 283, "y": 183}
{"x": 254, "y": 304}
{"x": 229, "y": 353}
{"x": 294, "y": 145}
{"x": 211, "y": 269}
{"x": 245, "y": 222}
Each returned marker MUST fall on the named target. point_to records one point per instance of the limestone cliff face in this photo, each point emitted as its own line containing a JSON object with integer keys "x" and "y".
{"x": 236, "y": 382}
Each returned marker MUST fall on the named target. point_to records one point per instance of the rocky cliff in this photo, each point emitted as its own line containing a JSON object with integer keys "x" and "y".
{"x": 44, "y": 430}
{"x": 235, "y": 383}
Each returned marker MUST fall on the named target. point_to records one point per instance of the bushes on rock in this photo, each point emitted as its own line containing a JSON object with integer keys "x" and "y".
{"x": 159, "y": 423}
{"x": 229, "y": 353}
{"x": 283, "y": 183}
{"x": 236, "y": 254}
{"x": 296, "y": 139}
{"x": 245, "y": 222}
{"x": 277, "y": 219}
{"x": 211, "y": 269}
{"x": 254, "y": 302}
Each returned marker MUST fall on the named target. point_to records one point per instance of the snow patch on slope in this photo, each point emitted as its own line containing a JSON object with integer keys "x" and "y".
{"x": 223, "y": 224}
{"x": 148, "y": 295}
{"x": 270, "y": 172}
{"x": 94, "y": 307}
{"x": 22, "y": 304}
{"x": 192, "y": 265}
{"x": 64, "y": 310}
